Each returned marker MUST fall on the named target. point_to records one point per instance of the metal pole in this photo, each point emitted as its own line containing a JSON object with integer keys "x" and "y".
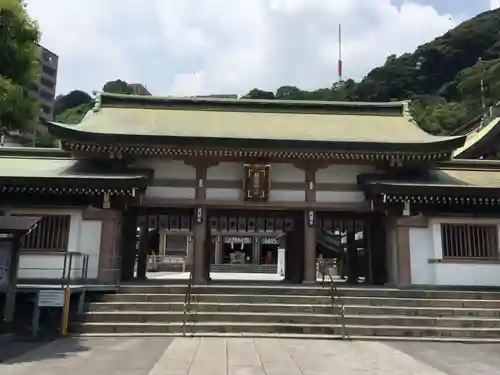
{"x": 340, "y": 54}
{"x": 483, "y": 102}
{"x": 64, "y": 269}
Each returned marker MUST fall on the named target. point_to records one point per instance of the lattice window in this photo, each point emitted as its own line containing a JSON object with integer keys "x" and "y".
{"x": 51, "y": 234}
{"x": 469, "y": 241}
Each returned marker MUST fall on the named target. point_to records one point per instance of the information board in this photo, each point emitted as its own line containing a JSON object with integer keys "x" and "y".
{"x": 51, "y": 298}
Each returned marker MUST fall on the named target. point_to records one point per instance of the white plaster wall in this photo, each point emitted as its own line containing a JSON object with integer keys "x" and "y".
{"x": 421, "y": 250}
{"x": 225, "y": 172}
{"x": 48, "y": 266}
{"x": 287, "y": 195}
{"x": 165, "y": 192}
{"x": 425, "y": 244}
{"x": 341, "y": 173}
{"x": 224, "y": 194}
{"x": 90, "y": 244}
{"x": 339, "y": 196}
{"x": 283, "y": 172}
{"x": 84, "y": 237}
{"x": 167, "y": 168}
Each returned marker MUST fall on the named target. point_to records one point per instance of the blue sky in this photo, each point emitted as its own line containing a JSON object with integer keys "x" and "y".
{"x": 193, "y": 47}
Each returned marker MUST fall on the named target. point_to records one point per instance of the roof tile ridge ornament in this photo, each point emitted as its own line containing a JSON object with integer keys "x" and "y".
{"x": 406, "y": 106}
{"x": 97, "y": 101}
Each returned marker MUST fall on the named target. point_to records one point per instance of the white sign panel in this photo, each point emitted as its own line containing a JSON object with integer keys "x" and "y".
{"x": 281, "y": 262}
{"x": 51, "y": 298}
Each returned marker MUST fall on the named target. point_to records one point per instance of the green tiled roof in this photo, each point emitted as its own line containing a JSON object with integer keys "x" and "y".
{"x": 476, "y": 139}
{"x": 452, "y": 176}
{"x": 59, "y": 168}
{"x": 236, "y": 119}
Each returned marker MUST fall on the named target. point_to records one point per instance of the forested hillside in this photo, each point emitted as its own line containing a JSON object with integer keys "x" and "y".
{"x": 442, "y": 78}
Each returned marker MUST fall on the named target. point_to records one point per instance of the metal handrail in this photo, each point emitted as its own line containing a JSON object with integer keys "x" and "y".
{"x": 68, "y": 267}
{"x": 187, "y": 303}
{"x": 337, "y": 302}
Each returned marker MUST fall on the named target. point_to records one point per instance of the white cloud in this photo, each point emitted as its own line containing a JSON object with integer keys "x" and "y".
{"x": 494, "y": 4}
{"x": 226, "y": 46}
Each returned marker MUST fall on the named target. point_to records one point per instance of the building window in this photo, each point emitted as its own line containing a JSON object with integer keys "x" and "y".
{"x": 46, "y": 109}
{"x": 47, "y": 83}
{"x": 46, "y": 95}
{"x": 469, "y": 241}
{"x": 48, "y": 58}
{"x": 50, "y": 234}
{"x": 48, "y": 70}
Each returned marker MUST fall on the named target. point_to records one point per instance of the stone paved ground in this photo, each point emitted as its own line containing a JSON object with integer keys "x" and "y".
{"x": 242, "y": 356}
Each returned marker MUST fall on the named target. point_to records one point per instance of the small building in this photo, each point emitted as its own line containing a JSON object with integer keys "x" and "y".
{"x": 221, "y": 181}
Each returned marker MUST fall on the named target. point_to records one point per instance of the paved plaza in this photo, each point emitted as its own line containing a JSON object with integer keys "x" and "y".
{"x": 246, "y": 356}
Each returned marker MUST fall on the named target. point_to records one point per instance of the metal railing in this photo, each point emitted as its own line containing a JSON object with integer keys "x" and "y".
{"x": 337, "y": 302}
{"x": 187, "y": 304}
{"x": 74, "y": 267}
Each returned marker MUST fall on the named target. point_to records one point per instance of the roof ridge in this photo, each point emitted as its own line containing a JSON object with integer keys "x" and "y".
{"x": 105, "y": 99}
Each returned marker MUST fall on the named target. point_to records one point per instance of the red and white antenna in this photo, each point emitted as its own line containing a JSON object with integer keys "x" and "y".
{"x": 340, "y": 54}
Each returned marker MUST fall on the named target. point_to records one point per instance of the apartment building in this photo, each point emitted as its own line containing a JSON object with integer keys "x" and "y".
{"x": 139, "y": 89}
{"x": 45, "y": 90}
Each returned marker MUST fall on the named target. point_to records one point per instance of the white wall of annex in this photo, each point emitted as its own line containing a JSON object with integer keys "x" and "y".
{"x": 168, "y": 168}
{"x": 90, "y": 244}
{"x": 426, "y": 252}
{"x": 285, "y": 172}
{"x": 225, "y": 172}
{"x": 84, "y": 237}
{"x": 341, "y": 173}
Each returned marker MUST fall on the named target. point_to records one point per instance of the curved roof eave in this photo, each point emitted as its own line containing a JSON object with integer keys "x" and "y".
{"x": 478, "y": 139}
{"x": 75, "y": 133}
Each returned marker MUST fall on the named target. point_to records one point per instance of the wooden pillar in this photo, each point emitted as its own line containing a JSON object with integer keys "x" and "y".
{"x": 294, "y": 255}
{"x": 128, "y": 243}
{"x": 163, "y": 242}
{"x": 142, "y": 259}
{"x": 218, "y": 250}
{"x": 352, "y": 256}
{"x": 378, "y": 249}
{"x": 257, "y": 245}
{"x": 190, "y": 251}
{"x": 10, "y": 296}
{"x": 310, "y": 226}
{"x": 201, "y": 262}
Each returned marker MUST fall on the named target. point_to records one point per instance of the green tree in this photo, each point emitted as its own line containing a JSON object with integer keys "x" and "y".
{"x": 259, "y": 94}
{"x": 73, "y": 99}
{"x": 117, "y": 87}
{"x": 74, "y": 115}
{"x": 19, "y": 65}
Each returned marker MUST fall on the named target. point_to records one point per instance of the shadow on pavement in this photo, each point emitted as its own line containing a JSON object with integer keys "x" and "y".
{"x": 17, "y": 349}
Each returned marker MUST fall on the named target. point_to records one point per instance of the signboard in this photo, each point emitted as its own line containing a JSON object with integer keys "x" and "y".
{"x": 238, "y": 240}
{"x": 51, "y": 298}
{"x": 257, "y": 182}
{"x": 5, "y": 254}
{"x": 270, "y": 241}
{"x": 281, "y": 262}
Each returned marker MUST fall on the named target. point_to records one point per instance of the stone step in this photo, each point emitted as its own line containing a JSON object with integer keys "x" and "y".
{"x": 242, "y": 328}
{"x": 282, "y": 318}
{"x": 308, "y": 300}
{"x": 297, "y": 336}
{"x": 310, "y": 291}
{"x": 291, "y": 308}
{"x": 244, "y": 268}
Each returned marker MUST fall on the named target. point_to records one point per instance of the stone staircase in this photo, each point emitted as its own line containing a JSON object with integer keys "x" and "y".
{"x": 244, "y": 268}
{"x": 286, "y": 311}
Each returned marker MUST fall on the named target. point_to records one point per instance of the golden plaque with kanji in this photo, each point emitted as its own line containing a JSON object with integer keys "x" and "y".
{"x": 257, "y": 182}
